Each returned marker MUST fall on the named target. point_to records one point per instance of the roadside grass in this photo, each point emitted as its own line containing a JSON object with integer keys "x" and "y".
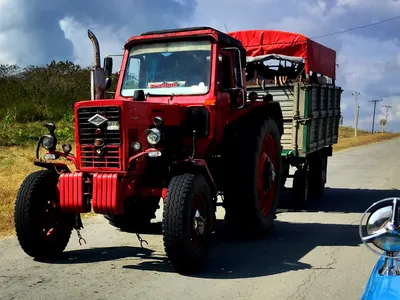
{"x": 347, "y": 139}
{"x": 16, "y": 162}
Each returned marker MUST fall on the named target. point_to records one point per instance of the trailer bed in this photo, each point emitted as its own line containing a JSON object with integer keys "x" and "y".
{"x": 311, "y": 115}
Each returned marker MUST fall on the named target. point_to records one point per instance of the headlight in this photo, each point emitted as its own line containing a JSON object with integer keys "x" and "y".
{"x": 48, "y": 141}
{"x": 153, "y": 136}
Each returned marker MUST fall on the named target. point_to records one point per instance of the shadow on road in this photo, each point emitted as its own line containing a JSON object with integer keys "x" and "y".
{"x": 280, "y": 252}
{"x": 93, "y": 255}
{"x": 231, "y": 259}
{"x": 350, "y": 200}
{"x": 343, "y": 200}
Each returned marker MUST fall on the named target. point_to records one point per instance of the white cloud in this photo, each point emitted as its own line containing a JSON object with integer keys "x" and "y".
{"x": 111, "y": 41}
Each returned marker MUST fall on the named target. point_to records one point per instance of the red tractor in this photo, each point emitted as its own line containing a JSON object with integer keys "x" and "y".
{"x": 180, "y": 127}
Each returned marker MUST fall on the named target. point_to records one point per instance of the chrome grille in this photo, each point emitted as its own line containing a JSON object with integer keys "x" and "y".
{"x": 111, "y": 158}
{"x": 87, "y": 130}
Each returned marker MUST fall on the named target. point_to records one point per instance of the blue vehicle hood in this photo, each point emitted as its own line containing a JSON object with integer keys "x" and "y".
{"x": 381, "y": 287}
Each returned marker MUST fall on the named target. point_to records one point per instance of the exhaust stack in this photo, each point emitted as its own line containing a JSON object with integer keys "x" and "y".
{"x": 97, "y": 76}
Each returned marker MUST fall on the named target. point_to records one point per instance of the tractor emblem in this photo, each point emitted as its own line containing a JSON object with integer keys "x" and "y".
{"x": 97, "y": 120}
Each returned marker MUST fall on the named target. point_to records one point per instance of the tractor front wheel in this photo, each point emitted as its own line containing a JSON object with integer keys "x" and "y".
{"x": 43, "y": 230}
{"x": 188, "y": 222}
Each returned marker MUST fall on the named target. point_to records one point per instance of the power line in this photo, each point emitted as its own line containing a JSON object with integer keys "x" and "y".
{"x": 373, "y": 118}
{"x": 355, "y": 28}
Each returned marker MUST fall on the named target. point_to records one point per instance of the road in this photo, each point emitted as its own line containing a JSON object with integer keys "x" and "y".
{"x": 310, "y": 255}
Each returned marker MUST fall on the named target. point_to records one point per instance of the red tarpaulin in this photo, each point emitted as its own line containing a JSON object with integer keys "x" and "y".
{"x": 318, "y": 58}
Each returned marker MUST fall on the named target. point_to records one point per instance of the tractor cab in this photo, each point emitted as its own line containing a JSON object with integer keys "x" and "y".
{"x": 192, "y": 65}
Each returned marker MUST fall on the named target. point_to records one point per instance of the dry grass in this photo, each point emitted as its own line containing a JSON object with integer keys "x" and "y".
{"x": 17, "y": 162}
{"x": 347, "y": 139}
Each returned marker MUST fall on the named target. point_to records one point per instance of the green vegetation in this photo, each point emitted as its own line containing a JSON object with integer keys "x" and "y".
{"x": 34, "y": 95}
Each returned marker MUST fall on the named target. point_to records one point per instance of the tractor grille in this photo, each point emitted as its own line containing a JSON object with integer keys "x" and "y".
{"x": 88, "y": 133}
{"x": 110, "y": 159}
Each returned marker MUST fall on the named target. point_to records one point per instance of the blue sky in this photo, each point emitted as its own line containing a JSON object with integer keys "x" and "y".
{"x": 38, "y": 31}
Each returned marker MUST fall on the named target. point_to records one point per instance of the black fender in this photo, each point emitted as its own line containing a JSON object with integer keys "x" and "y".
{"x": 55, "y": 167}
{"x": 194, "y": 166}
{"x": 271, "y": 109}
{"x": 274, "y": 110}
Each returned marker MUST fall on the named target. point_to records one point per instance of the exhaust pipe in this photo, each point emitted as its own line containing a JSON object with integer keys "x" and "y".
{"x": 97, "y": 76}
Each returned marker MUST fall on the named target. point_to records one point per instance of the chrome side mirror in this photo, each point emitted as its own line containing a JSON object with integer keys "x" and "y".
{"x": 381, "y": 228}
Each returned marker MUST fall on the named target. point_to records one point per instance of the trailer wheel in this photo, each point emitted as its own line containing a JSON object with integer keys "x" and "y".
{"x": 285, "y": 175}
{"x": 318, "y": 170}
{"x": 252, "y": 176}
{"x": 137, "y": 215}
{"x": 300, "y": 190}
{"x": 43, "y": 230}
{"x": 187, "y": 222}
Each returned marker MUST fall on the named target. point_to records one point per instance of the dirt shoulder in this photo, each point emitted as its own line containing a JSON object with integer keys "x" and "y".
{"x": 347, "y": 139}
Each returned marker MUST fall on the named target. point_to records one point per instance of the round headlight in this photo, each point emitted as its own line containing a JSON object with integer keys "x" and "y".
{"x": 153, "y": 136}
{"x": 48, "y": 141}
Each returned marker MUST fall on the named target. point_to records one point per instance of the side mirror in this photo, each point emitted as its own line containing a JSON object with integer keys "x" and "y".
{"x": 108, "y": 66}
{"x": 108, "y": 83}
{"x": 382, "y": 226}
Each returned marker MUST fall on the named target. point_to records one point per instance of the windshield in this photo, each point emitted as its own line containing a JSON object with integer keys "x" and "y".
{"x": 179, "y": 67}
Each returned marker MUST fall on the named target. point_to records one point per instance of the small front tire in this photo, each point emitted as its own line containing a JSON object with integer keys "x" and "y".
{"x": 188, "y": 222}
{"x": 43, "y": 230}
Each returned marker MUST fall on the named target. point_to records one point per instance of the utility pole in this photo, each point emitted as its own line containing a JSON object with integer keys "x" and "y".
{"x": 386, "y": 116}
{"x": 356, "y": 112}
{"x": 373, "y": 118}
{"x": 387, "y": 109}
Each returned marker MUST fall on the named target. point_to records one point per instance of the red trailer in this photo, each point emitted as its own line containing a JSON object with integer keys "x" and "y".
{"x": 317, "y": 58}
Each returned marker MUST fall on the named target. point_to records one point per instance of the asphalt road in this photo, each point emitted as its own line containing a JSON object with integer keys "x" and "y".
{"x": 310, "y": 255}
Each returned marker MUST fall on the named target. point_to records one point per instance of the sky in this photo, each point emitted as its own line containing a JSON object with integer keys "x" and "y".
{"x": 35, "y": 32}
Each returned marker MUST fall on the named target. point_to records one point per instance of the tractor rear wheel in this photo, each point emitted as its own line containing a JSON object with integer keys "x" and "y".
{"x": 137, "y": 215}
{"x": 43, "y": 230}
{"x": 252, "y": 176}
{"x": 188, "y": 222}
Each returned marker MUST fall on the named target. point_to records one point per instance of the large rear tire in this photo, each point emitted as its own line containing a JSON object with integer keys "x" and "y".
{"x": 43, "y": 230}
{"x": 188, "y": 222}
{"x": 252, "y": 176}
